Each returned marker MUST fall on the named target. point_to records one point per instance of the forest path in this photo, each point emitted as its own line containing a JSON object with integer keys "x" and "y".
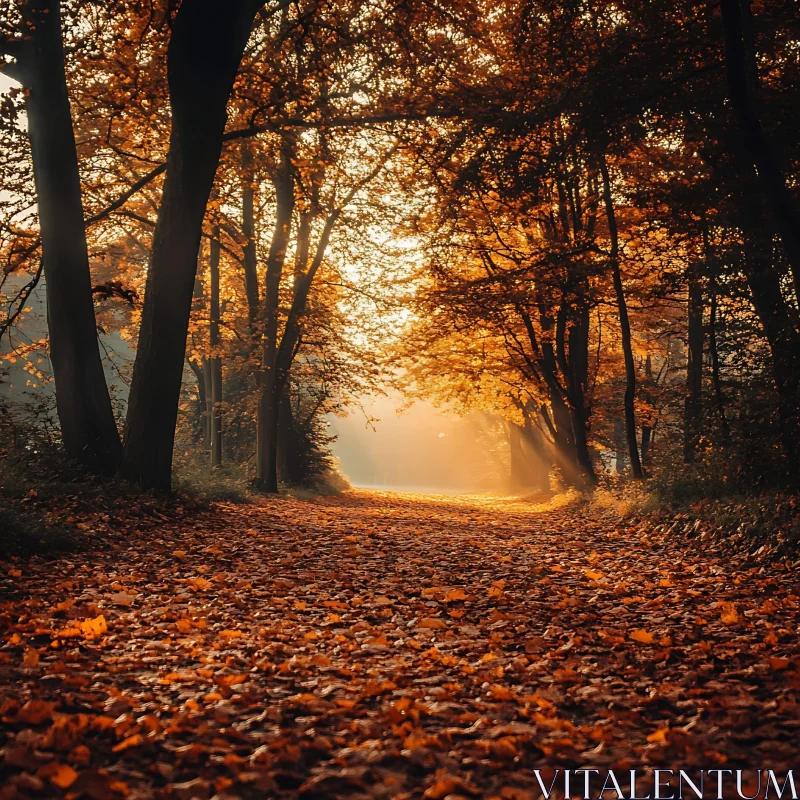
{"x": 383, "y": 645}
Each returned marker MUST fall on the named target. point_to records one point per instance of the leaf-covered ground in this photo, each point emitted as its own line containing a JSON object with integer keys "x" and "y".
{"x": 386, "y": 645}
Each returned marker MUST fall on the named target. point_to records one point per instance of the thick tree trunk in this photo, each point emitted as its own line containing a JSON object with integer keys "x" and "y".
{"x": 743, "y": 84}
{"x": 82, "y": 400}
{"x": 208, "y": 39}
{"x": 777, "y": 321}
{"x": 215, "y": 361}
{"x": 693, "y": 402}
{"x": 284, "y": 437}
{"x": 267, "y": 444}
{"x": 625, "y": 328}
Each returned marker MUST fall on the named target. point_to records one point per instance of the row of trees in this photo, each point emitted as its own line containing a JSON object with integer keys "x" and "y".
{"x": 600, "y": 197}
{"x": 616, "y": 256}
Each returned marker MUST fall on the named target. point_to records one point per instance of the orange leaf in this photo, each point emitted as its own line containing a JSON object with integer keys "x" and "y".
{"x": 131, "y": 741}
{"x": 777, "y": 663}
{"x": 431, "y": 622}
{"x": 729, "y": 615}
{"x": 641, "y": 635}
{"x": 61, "y": 775}
{"x": 35, "y": 712}
{"x": 90, "y": 628}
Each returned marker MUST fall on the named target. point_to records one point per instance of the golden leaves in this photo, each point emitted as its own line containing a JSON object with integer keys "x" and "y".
{"x": 641, "y": 635}
{"x": 729, "y": 615}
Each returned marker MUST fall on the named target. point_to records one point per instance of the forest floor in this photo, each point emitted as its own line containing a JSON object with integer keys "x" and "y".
{"x": 387, "y": 645}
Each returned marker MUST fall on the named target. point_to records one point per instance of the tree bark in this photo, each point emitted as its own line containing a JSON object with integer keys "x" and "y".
{"x": 284, "y": 437}
{"x": 716, "y": 375}
{"x": 267, "y": 445}
{"x": 693, "y": 402}
{"x": 249, "y": 261}
{"x": 207, "y": 43}
{"x": 647, "y": 429}
{"x": 741, "y": 69}
{"x": 215, "y": 360}
{"x": 575, "y": 368}
{"x": 777, "y": 322}
{"x": 625, "y": 328}
{"x": 84, "y": 407}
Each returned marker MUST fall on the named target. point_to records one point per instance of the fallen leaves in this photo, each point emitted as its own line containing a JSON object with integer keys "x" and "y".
{"x": 431, "y": 622}
{"x": 348, "y": 645}
{"x": 91, "y": 628}
{"x": 729, "y": 615}
{"x": 35, "y": 712}
{"x": 61, "y": 775}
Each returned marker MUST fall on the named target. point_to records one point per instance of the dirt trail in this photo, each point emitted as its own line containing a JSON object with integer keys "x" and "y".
{"x": 387, "y": 645}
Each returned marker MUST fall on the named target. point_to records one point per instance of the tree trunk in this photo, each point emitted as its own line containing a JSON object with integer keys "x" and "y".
{"x": 777, "y": 321}
{"x": 619, "y": 446}
{"x": 284, "y": 437}
{"x": 284, "y": 353}
{"x": 249, "y": 261}
{"x": 625, "y": 328}
{"x": 215, "y": 361}
{"x": 578, "y": 376}
{"x": 267, "y": 444}
{"x": 716, "y": 376}
{"x": 743, "y": 87}
{"x": 208, "y": 39}
{"x": 200, "y": 372}
{"x": 693, "y": 402}
{"x": 647, "y": 429}
{"x": 82, "y": 400}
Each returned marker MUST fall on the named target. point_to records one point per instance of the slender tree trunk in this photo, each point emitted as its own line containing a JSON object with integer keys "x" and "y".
{"x": 82, "y": 400}
{"x": 250, "y": 262}
{"x": 267, "y": 445}
{"x": 215, "y": 361}
{"x": 625, "y": 328}
{"x": 285, "y": 351}
{"x": 208, "y": 39}
{"x": 200, "y": 372}
{"x": 743, "y": 90}
{"x": 647, "y": 430}
{"x": 578, "y": 376}
{"x": 562, "y": 422}
{"x": 716, "y": 376}
{"x": 693, "y": 402}
{"x": 620, "y": 446}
